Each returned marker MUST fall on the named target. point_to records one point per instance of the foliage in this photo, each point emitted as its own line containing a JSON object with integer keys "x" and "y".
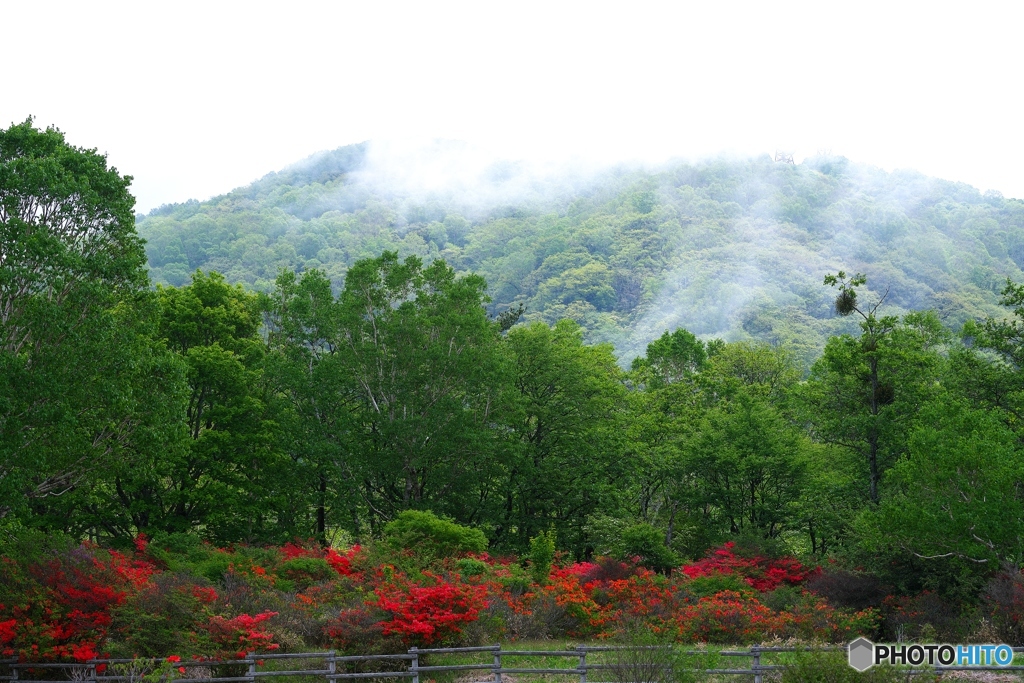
{"x": 82, "y": 601}
{"x": 433, "y": 536}
{"x": 1003, "y": 601}
{"x": 761, "y": 573}
{"x": 832, "y": 667}
{"x": 542, "y": 552}
{"x": 428, "y": 614}
{"x": 81, "y": 386}
{"x": 733, "y": 248}
{"x": 954, "y": 498}
{"x": 647, "y": 544}
{"x": 379, "y": 389}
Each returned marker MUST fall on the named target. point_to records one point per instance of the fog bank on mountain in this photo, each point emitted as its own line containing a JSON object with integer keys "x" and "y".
{"x": 732, "y": 248}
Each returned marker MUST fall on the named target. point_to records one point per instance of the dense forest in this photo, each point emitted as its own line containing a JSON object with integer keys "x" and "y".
{"x": 315, "y": 360}
{"x": 725, "y": 248}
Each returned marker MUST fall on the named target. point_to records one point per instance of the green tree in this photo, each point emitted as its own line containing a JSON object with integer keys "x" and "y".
{"x": 749, "y": 464}
{"x": 420, "y": 356}
{"x": 305, "y": 363}
{"x": 952, "y": 506}
{"x": 73, "y": 306}
{"x": 715, "y": 452}
{"x": 542, "y": 554}
{"x": 569, "y": 408}
{"x": 989, "y": 368}
{"x": 231, "y": 481}
{"x": 864, "y": 392}
{"x": 673, "y": 357}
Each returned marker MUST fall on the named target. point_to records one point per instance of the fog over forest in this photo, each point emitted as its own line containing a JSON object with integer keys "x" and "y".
{"x": 726, "y": 247}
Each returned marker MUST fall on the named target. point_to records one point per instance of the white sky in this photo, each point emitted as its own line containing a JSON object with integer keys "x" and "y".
{"x": 196, "y": 98}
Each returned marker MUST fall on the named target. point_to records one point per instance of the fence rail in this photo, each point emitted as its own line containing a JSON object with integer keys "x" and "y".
{"x": 94, "y": 671}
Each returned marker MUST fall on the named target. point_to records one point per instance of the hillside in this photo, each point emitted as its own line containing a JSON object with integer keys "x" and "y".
{"x": 731, "y": 248}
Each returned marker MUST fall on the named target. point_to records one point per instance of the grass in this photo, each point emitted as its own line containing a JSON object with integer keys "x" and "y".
{"x": 804, "y": 667}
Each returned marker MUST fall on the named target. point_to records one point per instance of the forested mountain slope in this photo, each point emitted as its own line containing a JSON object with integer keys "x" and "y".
{"x": 731, "y": 248}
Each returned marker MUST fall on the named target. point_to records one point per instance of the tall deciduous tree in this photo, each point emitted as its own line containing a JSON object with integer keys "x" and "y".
{"x": 421, "y": 358}
{"x": 72, "y": 278}
{"x": 303, "y": 322}
{"x": 864, "y": 392}
{"x": 569, "y": 417}
{"x": 956, "y": 495}
{"x": 229, "y": 479}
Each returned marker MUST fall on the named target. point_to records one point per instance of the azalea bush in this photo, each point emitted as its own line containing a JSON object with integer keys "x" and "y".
{"x": 180, "y": 597}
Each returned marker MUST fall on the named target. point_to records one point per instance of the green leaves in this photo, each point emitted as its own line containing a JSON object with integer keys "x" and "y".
{"x": 72, "y": 315}
{"x": 567, "y": 413}
{"x": 954, "y": 502}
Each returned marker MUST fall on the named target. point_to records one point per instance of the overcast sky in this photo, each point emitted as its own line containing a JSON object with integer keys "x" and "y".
{"x": 193, "y": 99}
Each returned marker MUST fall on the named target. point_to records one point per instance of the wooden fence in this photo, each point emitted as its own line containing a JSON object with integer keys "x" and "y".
{"x": 406, "y": 665}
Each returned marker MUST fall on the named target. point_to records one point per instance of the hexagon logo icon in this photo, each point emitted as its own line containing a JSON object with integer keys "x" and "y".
{"x": 861, "y": 653}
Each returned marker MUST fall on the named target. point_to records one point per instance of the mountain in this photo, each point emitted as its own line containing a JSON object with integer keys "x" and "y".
{"x": 735, "y": 248}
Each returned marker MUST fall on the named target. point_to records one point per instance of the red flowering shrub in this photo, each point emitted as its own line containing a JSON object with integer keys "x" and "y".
{"x": 759, "y": 572}
{"x": 58, "y": 605}
{"x": 360, "y": 630}
{"x": 7, "y": 632}
{"x": 606, "y": 569}
{"x": 83, "y": 602}
{"x": 239, "y": 635}
{"x": 341, "y": 563}
{"x": 432, "y": 613}
{"x": 814, "y": 619}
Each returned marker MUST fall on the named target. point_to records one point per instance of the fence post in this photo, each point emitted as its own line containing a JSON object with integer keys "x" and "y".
{"x": 497, "y": 663}
{"x": 583, "y": 662}
{"x": 90, "y": 672}
{"x": 332, "y": 665}
{"x": 414, "y": 665}
{"x": 251, "y": 657}
{"x": 756, "y": 666}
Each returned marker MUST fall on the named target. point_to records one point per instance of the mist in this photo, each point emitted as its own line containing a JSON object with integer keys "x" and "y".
{"x": 734, "y": 247}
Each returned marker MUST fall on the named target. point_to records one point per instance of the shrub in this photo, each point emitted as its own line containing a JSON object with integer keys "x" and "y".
{"x": 848, "y": 589}
{"x": 470, "y": 566}
{"x": 542, "y": 553}
{"x": 57, "y": 602}
{"x": 832, "y": 667}
{"x": 904, "y": 617}
{"x": 305, "y": 571}
{"x": 425, "y": 532}
{"x": 728, "y": 617}
{"x": 166, "y": 616}
{"x": 238, "y": 635}
{"x": 647, "y": 543}
{"x": 360, "y": 631}
{"x": 782, "y": 598}
{"x": 428, "y": 614}
{"x": 607, "y": 569}
{"x": 758, "y": 571}
{"x": 712, "y": 584}
{"x": 1003, "y": 601}
{"x": 813, "y": 619}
